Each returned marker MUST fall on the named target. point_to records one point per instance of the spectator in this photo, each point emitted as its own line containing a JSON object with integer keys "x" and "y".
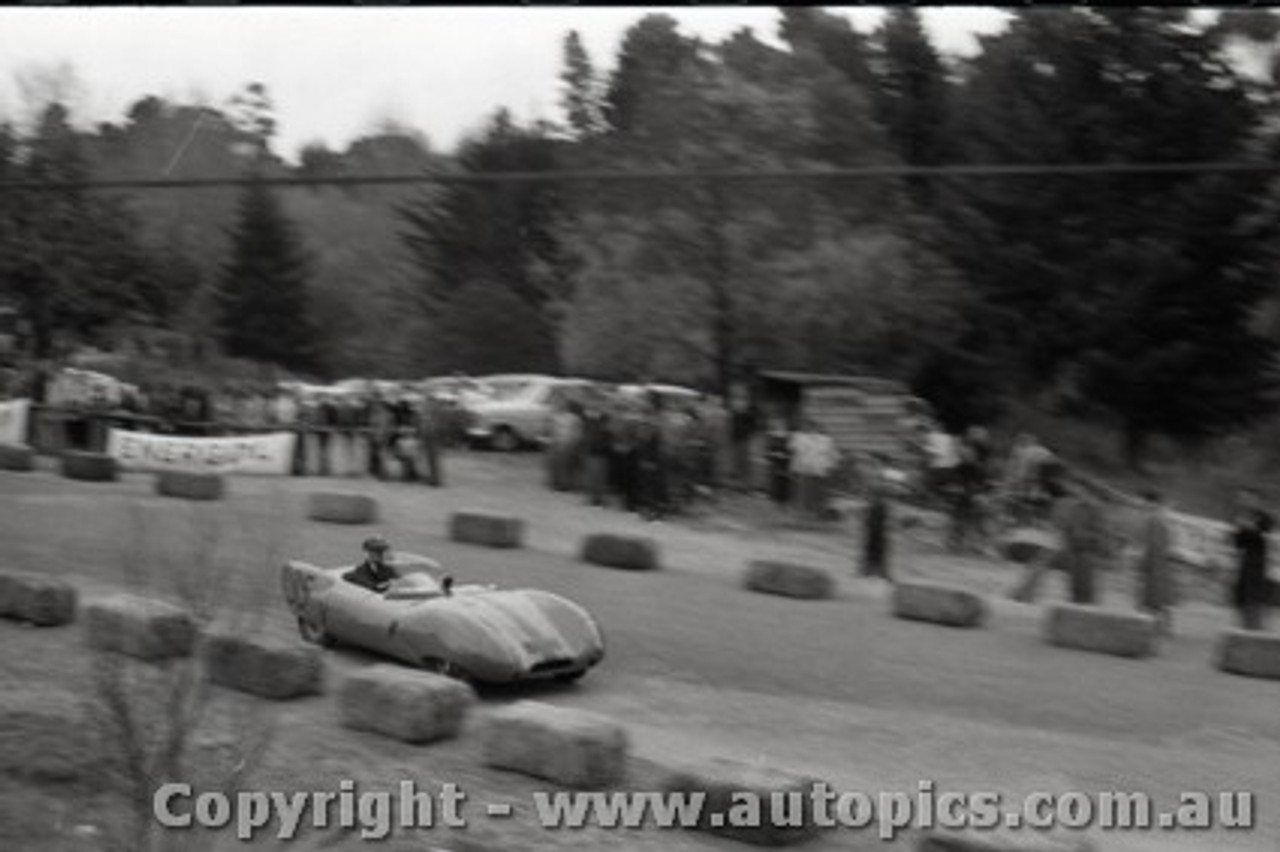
{"x": 1157, "y": 591}
{"x": 255, "y": 408}
{"x": 777, "y": 450}
{"x": 1030, "y": 476}
{"x": 326, "y": 425}
{"x": 343, "y": 453}
{"x": 651, "y": 463}
{"x": 1083, "y": 535}
{"x": 382, "y": 434}
{"x": 677, "y": 441}
{"x": 404, "y": 438}
{"x": 979, "y": 440}
{"x": 596, "y": 451}
{"x": 811, "y": 453}
{"x": 224, "y": 408}
{"x": 966, "y": 496}
{"x": 308, "y": 415}
{"x": 1252, "y": 590}
{"x": 743, "y": 423}
{"x": 944, "y": 460}
{"x": 195, "y": 411}
{"x": 877, "y": 520}
{"x": 716, "y": 431}
{"x": 625, "y": 428}
{"x": 430, "y": 438}
{"x": 566, "y": 429}
{"x": 699, "y": 452}
{"x": 285, "y": 409}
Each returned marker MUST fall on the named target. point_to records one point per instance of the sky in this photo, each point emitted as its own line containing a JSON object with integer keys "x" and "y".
{"x": 336, "y": 73}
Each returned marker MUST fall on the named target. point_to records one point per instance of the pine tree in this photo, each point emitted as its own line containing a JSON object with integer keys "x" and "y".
{"x": 68, "y": 259}
{"x": 582, "y": 97}
{"x": 911, "y": 89}
{"x": 652, "y": 55}
{"x": 1129, "y": 297}
{"x": 497, "y": 238}
{"x": 264, "y": 300}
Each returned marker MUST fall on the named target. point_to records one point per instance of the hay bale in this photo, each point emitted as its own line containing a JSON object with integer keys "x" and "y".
{"x": 139, "y": 627}
{"x": 17, "y": 457}
{"x": 89, "y": 467}
{"x": 45, "y": 738}
{"x": 263, "y": 665}
{"x": 789, "y": 579}
{"x": 939, "y": 604}
{"x": 42, "y": 601}
{"x": 1091, "y": 628}
{"x": 340, "y": 508}
{"x": 1003, "y": 840}
{"x": 485, "y": 529}
{"x": 1250, "y": 653}
{"x": 571, "y": 747}
{"x": 405, "y": 704}
{"x": 724, "y": 782}
{"x": 1028, "y": 543}
{"x": 621, "y": 551}
{"x": 189, "y": 485}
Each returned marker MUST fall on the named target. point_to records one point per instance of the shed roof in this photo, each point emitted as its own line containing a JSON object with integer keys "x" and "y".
{"x": 865, "y": 383}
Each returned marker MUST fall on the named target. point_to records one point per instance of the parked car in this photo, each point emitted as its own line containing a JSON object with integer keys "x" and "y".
{"x": 472, "y": 632}
{"x": 517, "y": 412}
{"x": 460, "y": 391}
{"x": 668, "y": 393}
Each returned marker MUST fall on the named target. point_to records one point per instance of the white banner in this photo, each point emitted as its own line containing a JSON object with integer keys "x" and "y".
{"x": 270, "y": 454}
{"x": 13, "y": 421}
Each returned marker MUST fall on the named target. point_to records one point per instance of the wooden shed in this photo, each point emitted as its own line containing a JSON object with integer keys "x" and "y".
{"x": 864, "y": 415}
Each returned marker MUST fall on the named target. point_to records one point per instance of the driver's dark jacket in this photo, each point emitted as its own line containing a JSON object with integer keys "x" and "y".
{"x": 370, "y": 575}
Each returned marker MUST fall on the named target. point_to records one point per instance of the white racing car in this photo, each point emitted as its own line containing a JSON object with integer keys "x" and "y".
{"x": 477, "y": 633}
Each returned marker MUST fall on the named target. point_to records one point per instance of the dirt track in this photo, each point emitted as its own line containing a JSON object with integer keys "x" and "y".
{"x": 697, "y": 665}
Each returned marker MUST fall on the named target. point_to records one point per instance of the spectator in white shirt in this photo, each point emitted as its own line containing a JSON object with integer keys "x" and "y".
{"x": 813, "y": 459}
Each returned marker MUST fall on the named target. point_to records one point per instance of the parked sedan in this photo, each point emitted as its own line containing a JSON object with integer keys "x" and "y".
{"x": 517, "y": 412}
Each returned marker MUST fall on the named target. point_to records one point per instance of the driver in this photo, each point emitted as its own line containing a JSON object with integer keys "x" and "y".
{"x": 373, "y": 573}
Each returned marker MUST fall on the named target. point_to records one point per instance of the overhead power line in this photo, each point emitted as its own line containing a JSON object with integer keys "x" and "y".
{"x": 726, "y": 176}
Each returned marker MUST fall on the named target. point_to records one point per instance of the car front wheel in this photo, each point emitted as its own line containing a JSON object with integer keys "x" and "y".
{"x": 505, "y": 440}
{"x": 447, "y": 668}
{"x": 314, "y": 633}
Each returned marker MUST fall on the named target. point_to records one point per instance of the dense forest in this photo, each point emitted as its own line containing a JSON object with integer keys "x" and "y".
{"x": 1147, "y": 303}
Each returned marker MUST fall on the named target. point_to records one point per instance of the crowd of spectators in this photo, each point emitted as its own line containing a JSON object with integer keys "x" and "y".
{"x": 983, "y": 491}
{"x": 651, "y": 454}
{"x": 660, "y": 455}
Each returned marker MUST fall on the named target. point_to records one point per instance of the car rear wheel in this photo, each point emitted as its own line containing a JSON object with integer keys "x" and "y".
{"x": 505, "y": 440}
{"x": 315, "y": 634}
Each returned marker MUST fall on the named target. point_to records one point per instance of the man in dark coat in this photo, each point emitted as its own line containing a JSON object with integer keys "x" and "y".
{"x": 1082, "y": 528}
{"x": 596, "y": 448}
{"x": 430, "y": 437}
{"x": 1157, "y": 585}
{"x": 876, "y": 525}
{"x": 778, "y": 455}
{"x": 373, "y": 573}
{"x": 651, "y": 463}
{"x": 1252, "y": 592}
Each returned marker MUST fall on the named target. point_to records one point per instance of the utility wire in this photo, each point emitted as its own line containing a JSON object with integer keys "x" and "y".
{"x": 728, "y": 176}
